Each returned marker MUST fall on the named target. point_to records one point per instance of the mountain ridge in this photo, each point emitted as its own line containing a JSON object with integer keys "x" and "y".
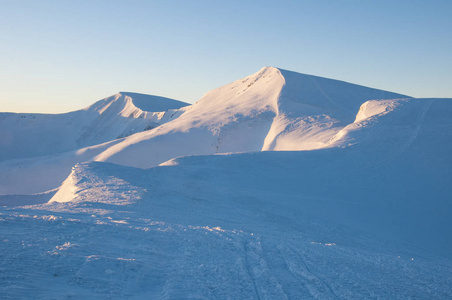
{"x": 272, "y": 109}
{"x": 264, "y": 111}
{"x": 30, "y": 135}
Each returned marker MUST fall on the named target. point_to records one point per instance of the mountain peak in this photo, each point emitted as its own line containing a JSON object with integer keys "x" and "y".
{"x": 272, "y": 109}
{"x": 130, "y": 100}
{"x": 269, "y": 69}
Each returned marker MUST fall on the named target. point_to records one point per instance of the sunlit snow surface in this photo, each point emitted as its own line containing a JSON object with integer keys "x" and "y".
{"x": 25, "y": 135}
{"x": 368, "y": 217}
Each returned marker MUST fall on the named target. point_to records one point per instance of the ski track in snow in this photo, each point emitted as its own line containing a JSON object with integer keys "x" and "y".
{"x": 120, "y": 253}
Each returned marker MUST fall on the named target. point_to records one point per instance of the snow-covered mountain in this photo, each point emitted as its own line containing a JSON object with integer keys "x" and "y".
{"x": 272, "y": 109}
{"x": 224, "y": 200}
{"x": 32, "y": 135}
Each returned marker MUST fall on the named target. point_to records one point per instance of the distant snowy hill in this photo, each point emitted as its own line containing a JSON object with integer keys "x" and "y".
{"x": 31, "y": 135}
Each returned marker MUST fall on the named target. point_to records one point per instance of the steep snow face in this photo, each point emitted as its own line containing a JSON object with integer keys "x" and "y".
{"x": 31, "y": 135}
{"x": 311, "y": 110}
{"x": 232, "y": 118}
{"x": 270, "y": 110}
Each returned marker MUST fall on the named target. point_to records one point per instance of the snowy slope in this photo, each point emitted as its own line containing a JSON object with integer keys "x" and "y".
{"x": 41, "y": 174}
{"x": 272, "y": 109}
{"x": 366, "y": 218}
{"x": 32, "y": 135}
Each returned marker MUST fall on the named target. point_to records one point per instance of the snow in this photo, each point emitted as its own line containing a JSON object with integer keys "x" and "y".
{"x": 27, "y": 199}
{"x": 40, "y": 174}
{"x": 272, "y": 109}
{"x": 37, "y": 151}
{"x": 364, "y": 214}
{"x": 31, "y": 135}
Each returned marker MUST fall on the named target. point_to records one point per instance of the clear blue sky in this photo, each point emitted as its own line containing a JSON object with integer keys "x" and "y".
{"x": 57, "y": 56}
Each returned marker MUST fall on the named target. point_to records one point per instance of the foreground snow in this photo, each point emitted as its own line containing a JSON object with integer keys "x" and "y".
{"x": 246, "y": 251}
{"x": 368, "y": 217}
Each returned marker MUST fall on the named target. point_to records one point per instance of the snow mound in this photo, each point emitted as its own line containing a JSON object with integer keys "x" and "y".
{"x": 88, "y": 181}
{"x": 32, "y": 135}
